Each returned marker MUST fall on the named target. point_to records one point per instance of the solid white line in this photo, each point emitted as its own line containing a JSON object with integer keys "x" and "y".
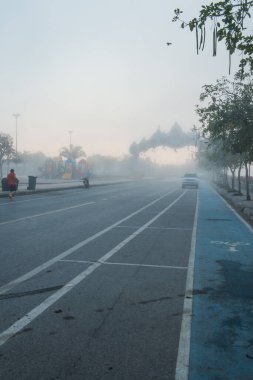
{"x": 34, "y": 197}
{"x": 183, "y": 356}
{"x": 46, "y": 213}
{"x": 26, "y": 200}
{"x": 29, "y": 317}
{"x": 5, "y": 288}
{"x": 123, "y": 264}
{"x": 159, "y": 228}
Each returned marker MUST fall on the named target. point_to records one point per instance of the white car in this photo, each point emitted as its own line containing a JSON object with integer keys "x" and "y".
{"x": 190, "y": 180}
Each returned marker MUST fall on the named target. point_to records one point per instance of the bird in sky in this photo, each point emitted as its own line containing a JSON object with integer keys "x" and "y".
{"x": 169, "y": 43}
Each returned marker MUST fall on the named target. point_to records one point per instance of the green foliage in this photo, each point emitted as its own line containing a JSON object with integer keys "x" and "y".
{"x": 227, "y": 121}
{"x": 7, "y": 151}
{"x": 6, "y": 147}
{"x": 72, "y": 153}
{"x": 228, "y": 23}
{"x": 227, "y": 117}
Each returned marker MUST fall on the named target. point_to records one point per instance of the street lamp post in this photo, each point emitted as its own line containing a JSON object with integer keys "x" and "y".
{"x": 70, "y": 134}
{"x": 16, "y": 115}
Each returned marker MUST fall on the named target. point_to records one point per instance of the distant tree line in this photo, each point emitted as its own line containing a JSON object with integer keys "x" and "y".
{"x": 35, "y": 163}
{"x": 175, "y": 138}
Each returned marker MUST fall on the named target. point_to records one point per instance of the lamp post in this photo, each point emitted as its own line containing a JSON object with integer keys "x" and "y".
{"x": 16, "y": 115}
{"x": 70, "y": 134}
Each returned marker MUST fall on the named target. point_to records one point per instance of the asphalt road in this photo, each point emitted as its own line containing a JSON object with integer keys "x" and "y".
{"x": 92, "y": 282}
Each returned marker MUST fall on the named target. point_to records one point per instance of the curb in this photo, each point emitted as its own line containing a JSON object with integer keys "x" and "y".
{"x": 248, "y": 211}
{"x": 238, "y": 205}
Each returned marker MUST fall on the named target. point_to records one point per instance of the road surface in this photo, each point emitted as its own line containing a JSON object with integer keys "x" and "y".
{"x": 141, "y": 280}
{"x": 93, "y": 282}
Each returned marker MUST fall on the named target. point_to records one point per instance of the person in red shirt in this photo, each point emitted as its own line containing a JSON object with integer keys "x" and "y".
{"x": 12, "y": 183}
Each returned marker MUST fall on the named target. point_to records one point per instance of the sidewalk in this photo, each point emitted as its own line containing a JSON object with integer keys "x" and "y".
{"x": 45, "y": 185}
{"x": 238, "y": 202}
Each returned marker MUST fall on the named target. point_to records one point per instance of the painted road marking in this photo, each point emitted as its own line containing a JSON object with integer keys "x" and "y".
{"x": 231, "y": 245}
{"x": 34, "y": 313}
{"x": 46, "y": 196}
{"x": 26, "y": 200}
{"x": 158, "y": 228}
{"x": 124, "y": 264}
{"x": 46, "y": 213}
{"x": 5, "y": 288}
{"x": 183, "y": 356}
{"x": 77, "y": 190}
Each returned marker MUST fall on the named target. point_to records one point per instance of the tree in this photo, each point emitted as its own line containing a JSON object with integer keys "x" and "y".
{"x": 7, "y": 151}
{"x": 228, "y": 119}
{"x": 32, "y": 162}
{"x": 72, "y": 153}
{"x": 228, "y": 20}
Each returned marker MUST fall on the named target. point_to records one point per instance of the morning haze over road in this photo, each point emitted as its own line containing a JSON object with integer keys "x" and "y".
{"x": 126, "y": 137}
{"x": 106, "y": 287}
{"x": 103, "y": 293}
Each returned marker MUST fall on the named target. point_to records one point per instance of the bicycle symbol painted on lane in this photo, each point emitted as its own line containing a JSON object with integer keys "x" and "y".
{"x": 232, "y": 246}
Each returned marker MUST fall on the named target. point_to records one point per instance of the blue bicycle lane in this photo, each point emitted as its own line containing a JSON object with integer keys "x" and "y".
{"x": 222, "y": 320}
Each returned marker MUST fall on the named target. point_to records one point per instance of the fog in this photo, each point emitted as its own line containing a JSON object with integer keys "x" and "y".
{"x": 135, "y": 165}
{"x": 97, "y": 166}
{"x": 104, "y": 72}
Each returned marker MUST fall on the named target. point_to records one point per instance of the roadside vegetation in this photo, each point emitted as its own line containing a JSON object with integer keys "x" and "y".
{"x": 228, "y": 22}
{"x": 7, "y": 151}
{"x": 72, "y": 163}
{"x": 225, "y": 135}
{"x": 226, "y": 118}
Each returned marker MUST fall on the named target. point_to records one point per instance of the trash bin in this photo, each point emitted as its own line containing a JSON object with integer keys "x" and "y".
{"x": 31, "y": 182}
{"x": 5, "y": 186}
{"x": 86, "y": 183}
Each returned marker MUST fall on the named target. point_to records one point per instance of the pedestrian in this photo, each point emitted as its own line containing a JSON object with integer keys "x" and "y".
{"x": 12, "y": 183}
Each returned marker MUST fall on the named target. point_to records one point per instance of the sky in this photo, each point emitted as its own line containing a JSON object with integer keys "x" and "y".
{"x": 99, "y": 74}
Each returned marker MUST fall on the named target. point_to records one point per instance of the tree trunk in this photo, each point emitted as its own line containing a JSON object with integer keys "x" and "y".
{"x": 247, "y": 182}
{"x": 226, "y": 178}
{"x": 239, "y": 180}
{"x": 233, "y": 179}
